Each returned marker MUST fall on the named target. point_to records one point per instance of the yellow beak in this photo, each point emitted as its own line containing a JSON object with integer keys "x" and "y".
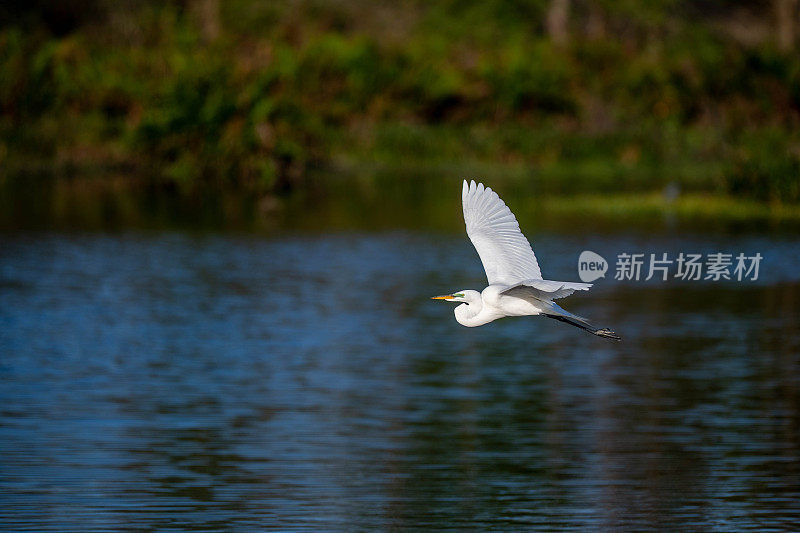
{"x": 445, "y": 297}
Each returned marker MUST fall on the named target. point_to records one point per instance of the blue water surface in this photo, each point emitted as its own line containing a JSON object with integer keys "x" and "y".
{"x": 177, "y": 381}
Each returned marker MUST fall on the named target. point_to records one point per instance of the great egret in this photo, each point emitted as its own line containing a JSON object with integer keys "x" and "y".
{"x": 516, "y": 287}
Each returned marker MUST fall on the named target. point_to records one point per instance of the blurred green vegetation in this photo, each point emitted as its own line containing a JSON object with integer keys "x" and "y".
{"x": 202, "y": 96}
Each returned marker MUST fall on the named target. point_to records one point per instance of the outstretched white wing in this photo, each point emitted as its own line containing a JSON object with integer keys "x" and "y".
{"x": 505, "y": 253}
{"x": 546, "y": 289}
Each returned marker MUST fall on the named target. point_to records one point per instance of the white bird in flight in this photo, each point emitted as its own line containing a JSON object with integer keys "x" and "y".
{"x": 516, "y": 287}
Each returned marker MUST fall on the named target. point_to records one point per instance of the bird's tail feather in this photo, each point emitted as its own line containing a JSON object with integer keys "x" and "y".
{"x": 556, "y": 312}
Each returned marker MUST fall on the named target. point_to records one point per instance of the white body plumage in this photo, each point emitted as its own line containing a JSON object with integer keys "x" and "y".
{"x": 483, "y": 307}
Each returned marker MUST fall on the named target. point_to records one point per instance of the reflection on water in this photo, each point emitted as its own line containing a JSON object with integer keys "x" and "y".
{"x": 215, "y": 382}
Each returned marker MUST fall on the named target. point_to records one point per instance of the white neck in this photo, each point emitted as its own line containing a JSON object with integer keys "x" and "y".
{"x": 474, "y": 314}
